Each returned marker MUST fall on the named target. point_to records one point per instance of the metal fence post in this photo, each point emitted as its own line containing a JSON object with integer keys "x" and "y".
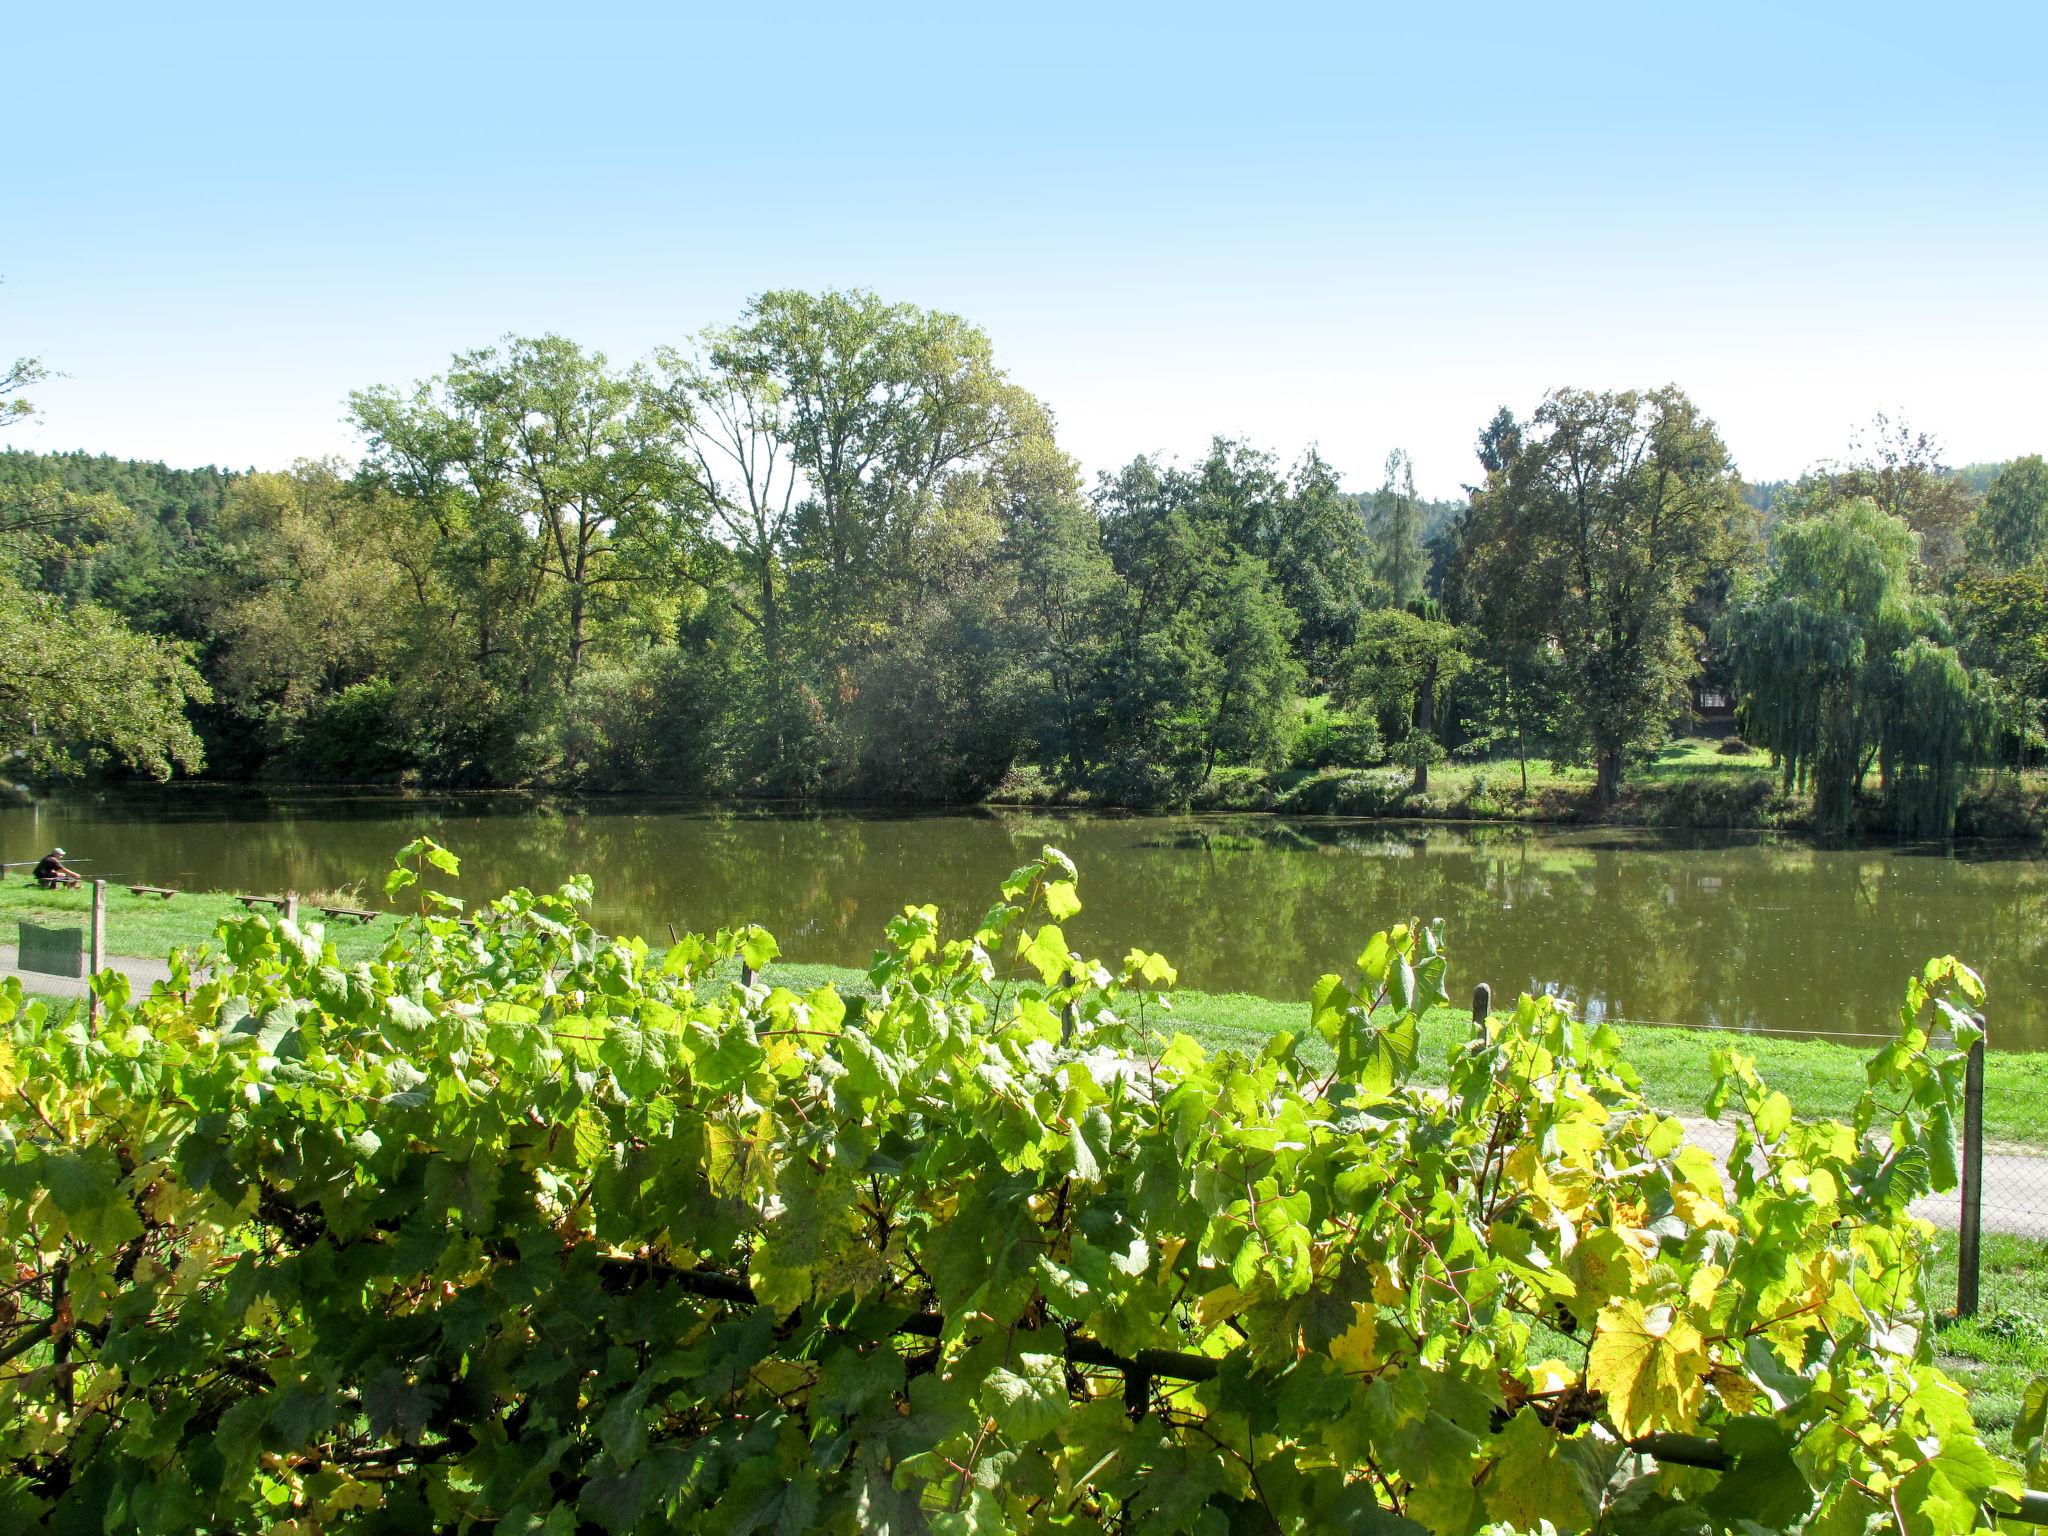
{"x": 1970, "y": 1237}
{"x": 99, "y": 950}
{"x": 1482, "y": 1003}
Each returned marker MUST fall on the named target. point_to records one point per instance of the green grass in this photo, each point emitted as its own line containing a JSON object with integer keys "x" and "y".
{"x": 1821, "y": 1078}
{"x": 2005, "y": 1346}
{"x": 1688, "y": 784}
{"x": 148, "y": 927}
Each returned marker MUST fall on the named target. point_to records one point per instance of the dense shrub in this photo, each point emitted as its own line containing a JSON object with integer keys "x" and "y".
{"x": 358, "y": 735}
{"x": 1334, "y": 738}
{"x": 518, "y": 1230}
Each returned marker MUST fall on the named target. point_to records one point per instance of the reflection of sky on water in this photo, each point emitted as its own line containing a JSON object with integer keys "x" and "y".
{"x": 1735, "y": 932}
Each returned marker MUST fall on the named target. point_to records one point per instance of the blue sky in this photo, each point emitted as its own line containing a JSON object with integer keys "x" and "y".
{"x": 1357, "y": 226}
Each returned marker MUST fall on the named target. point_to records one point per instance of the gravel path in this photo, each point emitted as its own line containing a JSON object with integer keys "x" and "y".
{"x": 141, "y": 973}
{"x": 2015, "y": 1185}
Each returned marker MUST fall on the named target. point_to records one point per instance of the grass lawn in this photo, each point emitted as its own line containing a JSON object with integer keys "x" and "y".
{"x": 148, "y": 927}
{"x": 2005, "y": 1346}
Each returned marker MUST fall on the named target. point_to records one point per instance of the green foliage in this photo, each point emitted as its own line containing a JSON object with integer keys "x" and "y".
{"x": 2003, "y": 618}
{"x": 511, "y": 1229}
{"x": 2011, "y": 527}
{"x": 1838, "y": 665}
{"x": 1327, "y": 737}
{"x": 1406, "y": 660}
{"x": 1590, "y": 538}
{"x": 1396, "y": 524}
{"x": 80, "y": 689}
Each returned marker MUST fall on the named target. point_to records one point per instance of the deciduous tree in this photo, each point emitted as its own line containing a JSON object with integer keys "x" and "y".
{"x": 1603, "y": 515}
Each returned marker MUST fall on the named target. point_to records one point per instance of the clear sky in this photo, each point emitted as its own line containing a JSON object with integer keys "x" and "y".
{"x": 1360, "y": 226}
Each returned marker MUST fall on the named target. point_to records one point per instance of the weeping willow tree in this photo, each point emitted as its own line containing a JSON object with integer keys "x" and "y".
{"x": 1839, "y": 667}
{"x": 1930, "y": 737}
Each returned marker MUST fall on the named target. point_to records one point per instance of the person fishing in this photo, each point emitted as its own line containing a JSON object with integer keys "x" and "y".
{"x": 52, "y": 872}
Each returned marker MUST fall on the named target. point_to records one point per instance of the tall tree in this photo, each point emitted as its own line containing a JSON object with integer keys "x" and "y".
{"x": 302, "y": 607}
{"x": 883, "y": 402}
{"x": 1320, "y": 558}
{"x": 1899, "y": 469}
{"x": 2011, "y": 527}
{"x": 2003, "y": 618}
{"x": 542, "y": 489}
{"x": 1605, "y": 513}
{"x": 79, "y": 688}
{"x": 740, "y": 459}
{"x": 1397, "y": 528}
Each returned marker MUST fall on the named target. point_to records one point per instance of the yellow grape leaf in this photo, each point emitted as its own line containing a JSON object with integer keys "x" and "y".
{"x": 1356, "y": 1349}
{"x": 1604, "y": 1264}
{"x": 1215, "y": 1306}
{"x": 1651, "y": 1366}
{"x": 1705, "y": 1281}
{"x": 1734, "y": 1389}
{"x": 1387, "y": 1288}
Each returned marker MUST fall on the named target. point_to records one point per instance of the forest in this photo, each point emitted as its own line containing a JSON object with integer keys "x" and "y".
{"x": 834, "y": 551}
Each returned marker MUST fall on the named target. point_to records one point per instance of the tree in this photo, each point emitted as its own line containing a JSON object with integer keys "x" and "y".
{"x": 306, "y": 606}
{"x": 740, "y": 458}
{"x": 1321, "y": 560}
{"x": 1065, "y": 595}
{"x": 1198, "y": 667}
{"x": 23, "y": 373}
{"x": 1837, "y": 669}
{"x": 882, "y": 403}
{"x": 1595, "y": 529}
{"x": 1248, "y": 635}
{"x": 542, "y": 491}
{"x": 1396, "y": 528}
{"x": 80, "y": 689}
{"x": 1408, "y": 657}
{"x": 2003, "y": 619}
{"x": 2011, "y": 528}
{"x": 1900, "y": 470}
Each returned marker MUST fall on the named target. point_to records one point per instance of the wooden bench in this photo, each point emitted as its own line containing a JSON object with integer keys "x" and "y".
{"x": 253, "y": 902}
{"x": 153, "y": 890}
{"x": 358, "y": 914}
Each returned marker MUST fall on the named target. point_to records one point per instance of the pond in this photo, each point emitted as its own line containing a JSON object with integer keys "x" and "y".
{"x": 1734, "y": 931}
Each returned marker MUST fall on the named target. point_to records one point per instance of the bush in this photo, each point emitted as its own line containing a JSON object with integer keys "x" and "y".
{"x": 358, "y": 735}
{"x": 1332, "y": 738}
{"x": 518, "y": 1229}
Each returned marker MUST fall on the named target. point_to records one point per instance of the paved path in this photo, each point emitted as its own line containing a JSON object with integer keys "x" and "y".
{"x": 141, "y": 973}
{"x": 2015, "y": 1185}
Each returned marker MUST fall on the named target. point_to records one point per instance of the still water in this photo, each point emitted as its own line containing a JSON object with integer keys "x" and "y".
{"x": 1737, "y": 932}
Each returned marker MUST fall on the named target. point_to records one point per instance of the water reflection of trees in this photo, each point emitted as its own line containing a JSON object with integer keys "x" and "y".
{"x": 1735, "y": 932}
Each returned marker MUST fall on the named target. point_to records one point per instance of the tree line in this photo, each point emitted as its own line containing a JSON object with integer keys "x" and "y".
{"x": 833, "y": 549}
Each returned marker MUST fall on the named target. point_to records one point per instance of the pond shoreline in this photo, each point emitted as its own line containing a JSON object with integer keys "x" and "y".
{"x": 1692, "y": 786}
{"x": 1702, "y": 927}
{"x": 2032, "y": 840}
